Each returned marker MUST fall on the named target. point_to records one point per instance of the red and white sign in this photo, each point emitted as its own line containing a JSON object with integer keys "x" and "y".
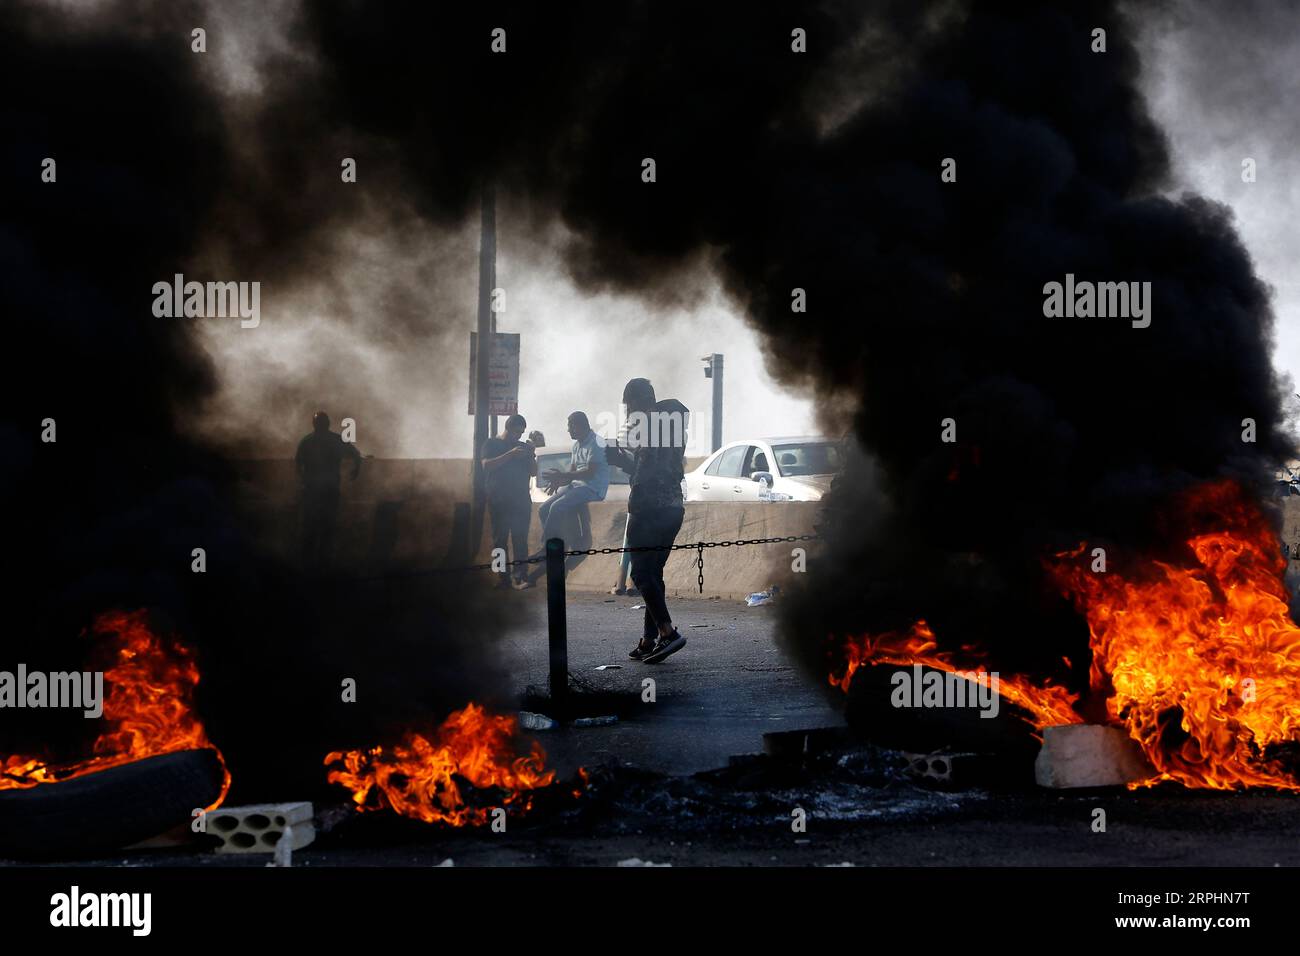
{"x": 503, "y": 373}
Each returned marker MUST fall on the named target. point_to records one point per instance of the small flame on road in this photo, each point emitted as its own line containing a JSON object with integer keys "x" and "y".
{"x": 422, "y": 777}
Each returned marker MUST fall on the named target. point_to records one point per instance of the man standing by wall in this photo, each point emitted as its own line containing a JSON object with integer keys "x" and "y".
{"x": 586, "y": 480}
{"x": 655, "y": 509}
{"x": 509, "y": 463}
{"x": 317, "y": 462}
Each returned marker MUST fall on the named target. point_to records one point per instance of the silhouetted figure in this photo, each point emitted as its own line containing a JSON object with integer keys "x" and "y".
{"x": 319, "y": 456}
{"x": 509, "y": 463}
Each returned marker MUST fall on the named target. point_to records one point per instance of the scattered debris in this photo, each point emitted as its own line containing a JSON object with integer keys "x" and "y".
{"x": 1089, "y": 755}
{"x": 759, "y": 598}
{"x": 263, "y": 828}
{"x": 609, "y": 667}
{"x": 636, "y": 607}
{"x": 595, "y": 721}
{"x": 795, "y": 744}
{"x": 699, "y": 625}
{"x": 948, "y": 770}
{"x": 530, "y": 721}
{"x": 283, "y": 854}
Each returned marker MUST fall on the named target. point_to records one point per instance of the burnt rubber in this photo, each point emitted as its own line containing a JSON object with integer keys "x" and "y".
{"x": 104, "y": 811}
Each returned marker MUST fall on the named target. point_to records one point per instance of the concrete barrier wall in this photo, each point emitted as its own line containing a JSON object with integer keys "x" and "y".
{"x": 728, "y": 572}
{"x": 400, "y": 512}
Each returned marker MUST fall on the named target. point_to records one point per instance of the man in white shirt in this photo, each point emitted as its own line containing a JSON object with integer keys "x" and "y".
{"x": 586, "y": 480}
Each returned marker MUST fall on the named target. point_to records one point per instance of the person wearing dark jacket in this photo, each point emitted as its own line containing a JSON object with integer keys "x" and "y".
{"x": 508, "y": 464}
{"x": 655, "y": 509}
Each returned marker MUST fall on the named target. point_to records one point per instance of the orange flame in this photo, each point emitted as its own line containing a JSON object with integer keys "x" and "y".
{"x": 418, "y": 778}
{"x": 1047, "y": 705}
{"x": 1201, "y": 663}
{"x": 148, "y": 706}
{"x": 1199, "y": 660}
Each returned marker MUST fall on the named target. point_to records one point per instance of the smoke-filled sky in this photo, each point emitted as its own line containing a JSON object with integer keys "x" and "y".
{"x": 1218, "y": 82}
{"x": 380, "y": 332}
{"x": 367, "y": 314}
{"x": 1222, "y": 83}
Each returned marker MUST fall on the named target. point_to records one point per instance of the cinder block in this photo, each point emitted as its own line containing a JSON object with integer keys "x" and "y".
{"x": 257, "y": 828}
{"x": 1089, "y": 755}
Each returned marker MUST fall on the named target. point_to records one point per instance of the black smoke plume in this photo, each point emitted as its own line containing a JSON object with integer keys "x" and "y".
{"x": 821, "y": 171}
{"x": 106, "y": 516}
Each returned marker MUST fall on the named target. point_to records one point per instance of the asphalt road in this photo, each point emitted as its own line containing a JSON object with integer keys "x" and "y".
{"x": 714, "y": 698}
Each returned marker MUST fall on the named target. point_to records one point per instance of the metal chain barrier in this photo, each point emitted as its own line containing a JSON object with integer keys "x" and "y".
{"x": 698, "y": 546}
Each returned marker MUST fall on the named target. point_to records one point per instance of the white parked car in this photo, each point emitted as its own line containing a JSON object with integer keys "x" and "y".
{"x": 766, "y": 469}
{"x": 557, "y": 457}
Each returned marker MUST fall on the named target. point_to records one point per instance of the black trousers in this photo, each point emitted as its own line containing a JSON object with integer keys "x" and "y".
{"x": 511, "y": 516}
{"x": 319, "y": 517}
{"x": 651, "y": 528}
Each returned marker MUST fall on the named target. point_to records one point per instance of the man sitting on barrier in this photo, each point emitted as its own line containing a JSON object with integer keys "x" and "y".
{"x": 586, "y": 480}
{"x": 656, "y": 441}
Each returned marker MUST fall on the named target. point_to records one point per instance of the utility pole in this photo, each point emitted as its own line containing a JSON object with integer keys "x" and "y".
{"x": 493, "y": 429}
{"x": 487, "y": 267}
{"x": 713, "y": 370}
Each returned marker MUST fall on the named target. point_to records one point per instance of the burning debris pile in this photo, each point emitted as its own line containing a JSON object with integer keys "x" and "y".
{"x": 1045, "y": 704}
{"x": 1199, "y": 658}
{"x": 149, "y": 707}
{"x": 424, "y": 776}
{"x": 997, "y": 439}
{"x": 1196, "y": 657}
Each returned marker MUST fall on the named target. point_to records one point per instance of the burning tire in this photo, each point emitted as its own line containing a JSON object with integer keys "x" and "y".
{"x": 110, "y": 809}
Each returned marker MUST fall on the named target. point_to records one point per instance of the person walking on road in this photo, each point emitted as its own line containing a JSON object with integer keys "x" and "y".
{"x": 655, "y": 508}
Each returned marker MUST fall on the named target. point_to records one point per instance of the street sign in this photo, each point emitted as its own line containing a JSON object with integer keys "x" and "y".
{"x": 503, "y": 373}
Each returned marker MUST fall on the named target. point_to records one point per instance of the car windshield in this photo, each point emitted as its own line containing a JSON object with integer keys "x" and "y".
{"x": 820, "y": 458}
{"x": 560, "y": 462}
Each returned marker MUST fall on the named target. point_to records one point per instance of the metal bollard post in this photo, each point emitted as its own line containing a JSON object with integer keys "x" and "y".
{"x": 557, "y": 629}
